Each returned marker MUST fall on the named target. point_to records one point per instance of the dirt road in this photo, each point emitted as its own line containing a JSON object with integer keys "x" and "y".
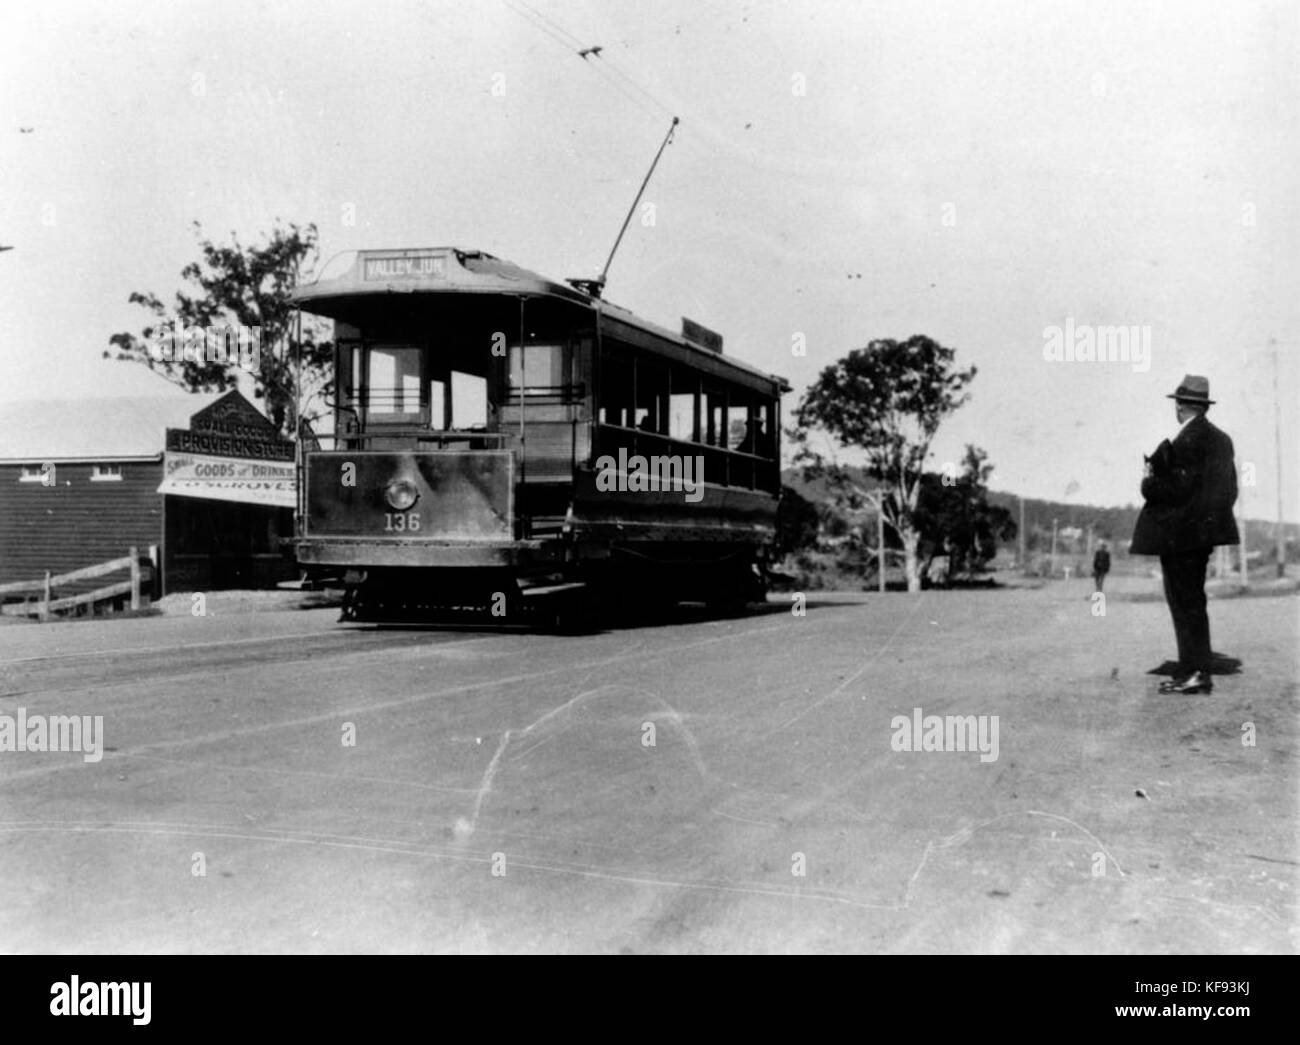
{"x": 276, "y": 782}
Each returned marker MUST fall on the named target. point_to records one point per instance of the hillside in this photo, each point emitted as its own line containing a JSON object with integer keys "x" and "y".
{"x": 1108, "y": 523}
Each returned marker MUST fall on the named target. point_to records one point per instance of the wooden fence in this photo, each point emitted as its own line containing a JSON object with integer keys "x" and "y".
{"x": 39, "y": 596}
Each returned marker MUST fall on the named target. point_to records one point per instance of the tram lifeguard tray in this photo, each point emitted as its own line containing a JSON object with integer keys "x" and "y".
{"x": 453, "y": 494}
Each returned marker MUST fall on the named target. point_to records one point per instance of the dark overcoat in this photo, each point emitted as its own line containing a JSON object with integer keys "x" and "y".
{"x": 1189, "y": 494}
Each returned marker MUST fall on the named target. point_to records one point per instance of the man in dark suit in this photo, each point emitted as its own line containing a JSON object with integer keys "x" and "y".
{"x": 1189, "y": 489}
{"x": 1100, "y": 566}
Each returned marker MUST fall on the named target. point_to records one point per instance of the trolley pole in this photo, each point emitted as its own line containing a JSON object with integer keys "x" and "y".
{"x": 604, "y": 273}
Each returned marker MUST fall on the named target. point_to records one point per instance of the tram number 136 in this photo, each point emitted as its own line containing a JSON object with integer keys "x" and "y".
{"x": 401, "y": 522}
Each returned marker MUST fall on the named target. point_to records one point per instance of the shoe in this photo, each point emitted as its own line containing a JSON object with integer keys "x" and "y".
{"x": 1197, "y": 682}
{"x": 1168, "y": 685}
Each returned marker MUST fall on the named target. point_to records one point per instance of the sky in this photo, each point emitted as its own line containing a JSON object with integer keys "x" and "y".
{"x": 980, "y": 173}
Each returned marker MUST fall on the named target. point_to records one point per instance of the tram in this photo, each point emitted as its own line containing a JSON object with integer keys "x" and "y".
{"x": 520, "y": 447}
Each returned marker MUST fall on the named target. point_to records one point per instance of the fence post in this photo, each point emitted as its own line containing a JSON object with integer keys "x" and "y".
{"x": 45, "y": 602}
{"x": 135, "y": 577}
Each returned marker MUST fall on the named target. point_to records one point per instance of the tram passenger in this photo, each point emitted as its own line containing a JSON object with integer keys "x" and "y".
{"x": 755, "y": 440}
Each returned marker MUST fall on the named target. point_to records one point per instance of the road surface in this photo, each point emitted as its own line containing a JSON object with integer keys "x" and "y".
{"x": 277, "y": 782}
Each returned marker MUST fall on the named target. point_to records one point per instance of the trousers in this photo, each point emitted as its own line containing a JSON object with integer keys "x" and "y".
{"x": 1184, "y": 576}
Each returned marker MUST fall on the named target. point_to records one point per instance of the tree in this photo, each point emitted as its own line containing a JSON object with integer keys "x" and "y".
{"x": 249, "y": 288}
{"x": 955, "y": 518}
{"x": 886, "y": 400}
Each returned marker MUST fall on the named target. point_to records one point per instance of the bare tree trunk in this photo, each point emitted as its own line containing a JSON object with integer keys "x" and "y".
{"x": 911, "y": 563}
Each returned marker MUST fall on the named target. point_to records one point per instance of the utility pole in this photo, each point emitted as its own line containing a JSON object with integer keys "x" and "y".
{"x": 1245, "y": 569}
{"x": 1021, "y": 534}
{"x": 877, "y": 499}
{"x": 1277, "y": 434}
{"x": 880, "y": 540}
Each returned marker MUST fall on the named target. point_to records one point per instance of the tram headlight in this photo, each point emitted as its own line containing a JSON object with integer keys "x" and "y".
{"x": 401, "y": 494}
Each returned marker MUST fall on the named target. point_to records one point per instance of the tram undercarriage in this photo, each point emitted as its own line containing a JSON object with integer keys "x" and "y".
{"x": 620, "y": 583}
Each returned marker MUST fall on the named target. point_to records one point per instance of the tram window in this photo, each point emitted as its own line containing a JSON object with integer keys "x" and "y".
{"x": 740, "y": 428}
{"x": 616, "y": 390}
{"x": 394, "y": 386}
{"x": 713, "y": 417}
{"x": 469, "y": 405}
{"x": 767, "y": 435}
{"x": 681, "y": 416}
{"x": 543, "y": 369}
{"x": 651, "y": 391}
{"x": 438, "y": 405}
{"x": 347, "y": 371}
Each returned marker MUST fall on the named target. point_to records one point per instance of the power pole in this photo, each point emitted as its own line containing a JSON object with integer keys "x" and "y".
{"x": 877, "y": 500}
{"x": 880, "y": 541}
{"x": 1277, "y": 434}
{"x": 1021, "y": 534}
{"x": 1245, "y": 569}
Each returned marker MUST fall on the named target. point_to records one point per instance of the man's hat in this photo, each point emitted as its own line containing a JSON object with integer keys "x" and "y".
{"x": 1194, "y": 389}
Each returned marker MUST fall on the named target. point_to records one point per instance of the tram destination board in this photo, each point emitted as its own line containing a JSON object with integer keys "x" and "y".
{"x": 427, "y": 266}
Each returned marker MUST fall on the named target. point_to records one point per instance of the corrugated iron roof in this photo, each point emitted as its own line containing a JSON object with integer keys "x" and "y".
{"x": 93, "y": 429}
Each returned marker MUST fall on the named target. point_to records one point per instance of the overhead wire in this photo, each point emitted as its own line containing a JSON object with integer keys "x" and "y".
{"x": 579, "y": 45}
{"x": 605, "y": 69}
{"x": 569, "y": 46}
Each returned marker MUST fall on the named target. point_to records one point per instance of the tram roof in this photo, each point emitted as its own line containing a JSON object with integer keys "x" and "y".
{"x": 354, "y": 275}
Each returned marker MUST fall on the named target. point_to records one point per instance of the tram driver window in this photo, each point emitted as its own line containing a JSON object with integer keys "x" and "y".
{"x": 469, "y": 405}
{"x": 394, "y": 385}
{"x": 437, "y": 405}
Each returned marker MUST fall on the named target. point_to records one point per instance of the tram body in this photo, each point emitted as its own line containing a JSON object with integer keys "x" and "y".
{"x": 502, "y": 440}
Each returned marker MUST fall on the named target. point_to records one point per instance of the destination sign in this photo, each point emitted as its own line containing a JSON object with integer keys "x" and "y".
{"x": 701, "y": 335}
{"x": 426, "y": 267}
